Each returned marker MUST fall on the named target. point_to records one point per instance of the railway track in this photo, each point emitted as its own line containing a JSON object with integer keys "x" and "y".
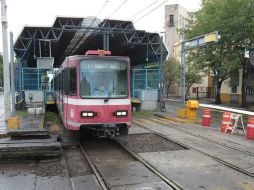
{"x": 196, "y": 149}
{"x": 165, "y": 122}
{"x": 117, "y": 167}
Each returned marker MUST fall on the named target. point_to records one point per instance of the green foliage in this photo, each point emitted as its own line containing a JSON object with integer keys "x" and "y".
{"x": 171, "y": 73}
{"x": 52, "y": 116}
{"x": 143, "y": 114}
{"x": 193, "y": 76}
{"x": 146, "y": 113}
{"x": 234, "y": 19}
{"x": 22, "y": 113}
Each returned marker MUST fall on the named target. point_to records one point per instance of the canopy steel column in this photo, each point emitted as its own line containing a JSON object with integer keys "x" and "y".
{"x": 105, "y": 41}
{"x": 12, "y": 76}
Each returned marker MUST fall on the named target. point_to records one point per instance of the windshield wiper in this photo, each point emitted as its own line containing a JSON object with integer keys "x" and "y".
{"x": 106, "y": 99}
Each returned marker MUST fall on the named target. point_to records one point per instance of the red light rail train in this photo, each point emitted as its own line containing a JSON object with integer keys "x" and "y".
{"x": 92, "y": 93}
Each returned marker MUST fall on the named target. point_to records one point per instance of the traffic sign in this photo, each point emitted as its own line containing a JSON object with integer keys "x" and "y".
{"x": 202, "y": 40}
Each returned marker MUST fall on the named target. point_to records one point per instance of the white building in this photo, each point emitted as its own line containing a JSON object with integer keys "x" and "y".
{"x": 175, "y": 19}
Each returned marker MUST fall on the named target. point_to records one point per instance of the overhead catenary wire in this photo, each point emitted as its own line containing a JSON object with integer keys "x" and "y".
{"x": 99, "y": 12}
{"x": 143, "y": 9}
{"x": 91, "y": 24}
{"x": 104, "y": 5}
{"x": 117, "y": 9}
{"x": 135, "y": 21}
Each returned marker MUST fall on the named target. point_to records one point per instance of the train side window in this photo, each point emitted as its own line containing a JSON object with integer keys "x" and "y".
{"x": 73, "y": 82}
{"x": 57, "y": 83}
{"x": 66, "y": 79}
{"x": 61, "y": 82}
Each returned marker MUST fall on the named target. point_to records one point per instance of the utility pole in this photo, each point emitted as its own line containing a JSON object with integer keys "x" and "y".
{"x": 183, "y": 71}
{"x": 5, "y": 60}
{"x": 12, "y": 76}
{"x": 162, "y": 102}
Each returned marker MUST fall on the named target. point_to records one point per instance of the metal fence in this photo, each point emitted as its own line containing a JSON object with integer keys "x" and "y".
{"x": 144, "y": 79}
{"x": 38, "y": 79}
{"x": 32, "y": 79}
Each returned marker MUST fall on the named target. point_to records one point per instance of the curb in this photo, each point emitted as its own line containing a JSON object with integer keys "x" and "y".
{"x": 4, "y": 135}
{"x": 42, "y": 123}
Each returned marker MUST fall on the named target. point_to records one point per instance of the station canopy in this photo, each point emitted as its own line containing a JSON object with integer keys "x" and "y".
{"x": 74, "y": 36}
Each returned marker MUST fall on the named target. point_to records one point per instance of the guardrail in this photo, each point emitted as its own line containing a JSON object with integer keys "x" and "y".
{"x": 222, "y": 108}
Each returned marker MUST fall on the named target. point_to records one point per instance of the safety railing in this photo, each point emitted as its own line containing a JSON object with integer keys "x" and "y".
{"x": 144, "y": 79}
{"x": 33, "y": 79}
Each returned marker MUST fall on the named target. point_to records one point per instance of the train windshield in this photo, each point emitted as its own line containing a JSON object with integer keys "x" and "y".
{"x": 103, "y": 78}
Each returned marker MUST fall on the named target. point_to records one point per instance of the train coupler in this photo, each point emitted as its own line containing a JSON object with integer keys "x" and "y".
{"x": 109, "y": 130}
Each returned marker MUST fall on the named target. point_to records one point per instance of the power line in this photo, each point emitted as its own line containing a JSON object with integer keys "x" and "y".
{"x": 150, "y": 11}
{"x": 99, "y": 12}
{"x": 105, "y": 4}
{"x": 144, "y": 9}
{"x": 117, "y": 9}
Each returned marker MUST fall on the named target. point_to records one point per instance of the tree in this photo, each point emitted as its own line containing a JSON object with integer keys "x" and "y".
{"x": 193, "y": 76}
{"x": 171, "y": 73}
{"x": 234, "y": 19}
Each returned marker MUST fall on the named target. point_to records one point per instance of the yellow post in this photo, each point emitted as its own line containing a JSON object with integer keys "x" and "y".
{"x": 13, "y": 123}
{"x": 181, "y": 112}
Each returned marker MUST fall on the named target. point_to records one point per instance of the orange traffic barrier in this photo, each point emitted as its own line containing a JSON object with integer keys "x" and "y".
{"x": 225, "y": 122}
{"x": 250, "y": 128}
{"x": 206, "y": 121}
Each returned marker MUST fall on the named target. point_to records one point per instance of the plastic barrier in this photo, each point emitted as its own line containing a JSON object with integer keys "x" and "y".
{"x": 206, "y": 121}
{"x": 225, "y": 121}
{"x": 250, "y": 128}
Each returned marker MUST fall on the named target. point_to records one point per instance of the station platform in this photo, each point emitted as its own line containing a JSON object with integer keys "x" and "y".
{"x": 31, "y": 140}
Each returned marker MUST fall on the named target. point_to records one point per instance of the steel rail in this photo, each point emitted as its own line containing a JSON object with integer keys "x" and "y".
{"x": 68, "y": 168}
{"x": 166, "y": 179}
{"x": 189, "y": 147}
{"x": 173, "y": 184}
{"x": 163, "y": 121}
{"x": 94, "y": 168}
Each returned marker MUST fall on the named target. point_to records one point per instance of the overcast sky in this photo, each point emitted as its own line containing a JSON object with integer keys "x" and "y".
{"x": 43, "y": 12}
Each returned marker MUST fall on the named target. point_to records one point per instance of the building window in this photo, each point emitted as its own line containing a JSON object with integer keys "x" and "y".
{"x": 171, "y": 20}
{"x": 234, "y": 89}
{"x": 234, "y": 81}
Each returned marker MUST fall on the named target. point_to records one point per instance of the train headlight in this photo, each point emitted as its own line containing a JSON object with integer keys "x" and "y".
{"x": 121, "y": 113}
{"x": 88, "y": 114}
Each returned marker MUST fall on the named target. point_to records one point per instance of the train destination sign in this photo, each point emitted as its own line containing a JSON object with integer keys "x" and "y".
{"x": 104, "y": 66}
